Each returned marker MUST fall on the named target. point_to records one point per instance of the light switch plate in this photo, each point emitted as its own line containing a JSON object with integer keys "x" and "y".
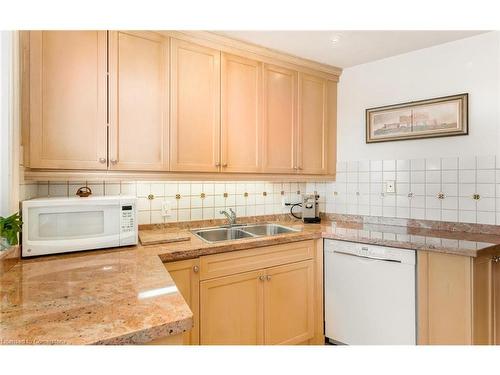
{"x": 166, "y": 209}
{"x": 390, "y": 186}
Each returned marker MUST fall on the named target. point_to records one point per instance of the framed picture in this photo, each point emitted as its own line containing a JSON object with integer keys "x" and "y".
{"x": 438, "y": 117}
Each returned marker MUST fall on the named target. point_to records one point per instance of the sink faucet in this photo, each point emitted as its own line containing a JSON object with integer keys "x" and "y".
{"x": 231, "y": 217}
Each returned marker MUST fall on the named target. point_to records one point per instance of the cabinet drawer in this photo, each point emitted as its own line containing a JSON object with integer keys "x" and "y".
{"x": 253, "y": 259}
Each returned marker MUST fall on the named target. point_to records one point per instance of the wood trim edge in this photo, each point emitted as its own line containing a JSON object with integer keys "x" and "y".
{"x": 92, "y": 175}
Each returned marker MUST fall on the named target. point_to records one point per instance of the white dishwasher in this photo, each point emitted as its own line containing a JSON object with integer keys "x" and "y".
{"x": 369, "y": 294}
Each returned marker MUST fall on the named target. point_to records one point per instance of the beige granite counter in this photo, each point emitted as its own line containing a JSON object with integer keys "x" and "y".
{"x": 125, "y": 295}
{"x": 414, "y": 238}
{"x": 419, "y": 237}
{"x": 103, "y": 297}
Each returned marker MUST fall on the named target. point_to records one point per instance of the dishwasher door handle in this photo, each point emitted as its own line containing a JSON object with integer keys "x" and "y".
{"x": 368, "y": 257}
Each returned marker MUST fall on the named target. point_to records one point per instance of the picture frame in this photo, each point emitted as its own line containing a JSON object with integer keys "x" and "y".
{"x": 438, "y": 117}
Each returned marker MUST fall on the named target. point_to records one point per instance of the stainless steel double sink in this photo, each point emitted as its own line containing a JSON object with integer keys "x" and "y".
{"x": 240, "y": 231}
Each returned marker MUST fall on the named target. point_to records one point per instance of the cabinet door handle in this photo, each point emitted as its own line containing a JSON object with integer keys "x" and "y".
{"x": 102, "y": 160}
{"x": 196, "y": 269}
{"x": 299, "y": 168}
{"x": 114, "y": 161}
{"x": 268, "y": 277}
{"x": 224, "y": 165}
{"x": 217, "y": 164}
{"x": 261, "y": 278}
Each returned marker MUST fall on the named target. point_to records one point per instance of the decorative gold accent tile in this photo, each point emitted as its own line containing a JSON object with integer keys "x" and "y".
{"x": 225, "y": 195}
{"x": 282, "y": 192}
{"x": 177, "y": 196}
{"x": 335, "y": 193}
{"x": 151, "y": 197}
{"x": 202, "y": 195}
{"x": 298, "y": 192}
{"x": 476, "y": 197}
{"x": 440, "y": 195}
{"x": 245, "y": 194}
{"x": 264, "y": 194}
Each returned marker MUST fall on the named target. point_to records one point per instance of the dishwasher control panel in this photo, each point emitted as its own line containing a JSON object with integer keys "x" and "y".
{"x": 375, "y": 252}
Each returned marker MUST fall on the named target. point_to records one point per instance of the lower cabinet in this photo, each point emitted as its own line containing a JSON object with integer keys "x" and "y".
{"x": 232, "y": 309}
{"x": 486, "y": 297}
{"x": 186, "y": 276}
{"x": 444, "y": 299}
{"x": 267, "y": 295}
{"x": 269, "y": 306}
{"x": 274, "y": 295}
{"x": 288, "y": 304}
{"x": 458, "y": 299}
{"x": 496, "y": 301}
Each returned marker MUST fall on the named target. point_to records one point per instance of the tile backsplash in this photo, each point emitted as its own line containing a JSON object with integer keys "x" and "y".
{"x": 455, "y": 189}
{"x": 188, "y": 200}
{"x": 452, "y": 189}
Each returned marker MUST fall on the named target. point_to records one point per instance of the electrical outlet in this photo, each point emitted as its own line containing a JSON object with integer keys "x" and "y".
{"x": 390, "y": 186}
{"x": 166, "y": 209}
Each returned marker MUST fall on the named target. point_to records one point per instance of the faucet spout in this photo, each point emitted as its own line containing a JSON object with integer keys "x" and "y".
{"x": 231, "y": 216}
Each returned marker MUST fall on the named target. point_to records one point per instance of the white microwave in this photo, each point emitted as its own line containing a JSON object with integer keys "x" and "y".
{"x": 61, "y": 225}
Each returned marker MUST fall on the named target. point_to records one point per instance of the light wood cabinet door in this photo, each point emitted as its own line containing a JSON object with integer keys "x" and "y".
{"x": 186, "y": 276}
{"x": 231, "y": 309}
{"x": 444, "y": 299}
{"x": 138, "y": 94}
{"x": 195, "y": 107}
{"x": 241, "y": 120}
{"x": 312, "y": 125}
{"x": 280, "y": 114}
{"x": 496, "y": 302}
{"x": 68, "y": 124}
{"x": 483, "y": 300}
{"x": 332, "y": 128}
{"x": 289, "y": 304}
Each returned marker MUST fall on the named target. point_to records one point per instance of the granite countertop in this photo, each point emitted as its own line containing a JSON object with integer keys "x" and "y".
{"x": 125, "y": 295}
{"x": 101, "y": 297}
{"x": 413, "y": 238}
{"x": 405, "y": 237}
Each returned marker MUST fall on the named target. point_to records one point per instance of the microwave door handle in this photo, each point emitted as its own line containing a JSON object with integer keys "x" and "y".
{"x": 369, "y": 257}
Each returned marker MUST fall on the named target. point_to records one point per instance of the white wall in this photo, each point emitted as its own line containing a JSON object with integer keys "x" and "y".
{"x": 469, "y": 65}
{"x": 436, "y": 179}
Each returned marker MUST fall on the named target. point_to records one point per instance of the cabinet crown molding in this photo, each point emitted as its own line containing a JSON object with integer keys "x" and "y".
{"x": 254, "y": 51}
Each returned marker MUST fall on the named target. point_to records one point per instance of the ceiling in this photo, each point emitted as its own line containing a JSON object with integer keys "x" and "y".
{"x": 348, "y": 48}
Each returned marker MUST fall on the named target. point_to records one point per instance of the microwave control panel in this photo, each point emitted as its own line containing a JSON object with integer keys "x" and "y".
{"x": 127, "y": 218}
